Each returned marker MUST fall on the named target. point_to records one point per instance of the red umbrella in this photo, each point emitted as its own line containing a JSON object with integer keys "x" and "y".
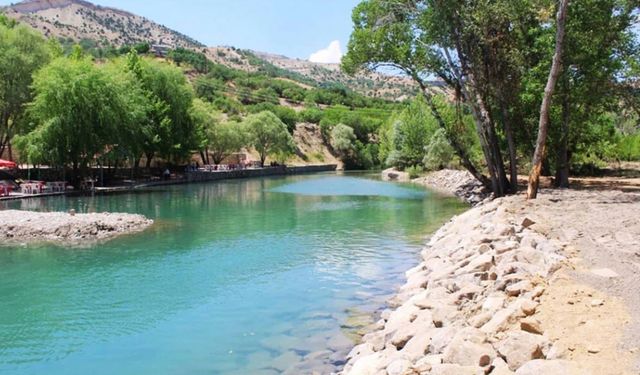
{"x": 7, "y": 164}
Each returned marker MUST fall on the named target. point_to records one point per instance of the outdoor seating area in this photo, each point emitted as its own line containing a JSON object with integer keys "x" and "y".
{"x": 5, "y": 189}
{"x": 229, "y": 167}
{"x": 9, "y": 188}
{"x": 42, "y": 187}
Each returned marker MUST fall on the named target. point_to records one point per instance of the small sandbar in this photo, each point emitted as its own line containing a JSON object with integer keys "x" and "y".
{"x": 26, "y": 227}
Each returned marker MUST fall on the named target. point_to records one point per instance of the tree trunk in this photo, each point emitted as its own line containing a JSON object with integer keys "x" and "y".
{"x": 149, "y": 156}
{"x": 543, "y": 126}
{"x": 203, "y": 157}
{"x": 484, "y": 125}
{"x": 489, "y": 142}
{"x": 562, "y": 162}
{"x": 513, "y": 161}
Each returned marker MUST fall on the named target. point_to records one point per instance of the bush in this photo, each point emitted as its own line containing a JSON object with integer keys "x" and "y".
{"x": 414, "y": 171}
{"x": 311, "y": 115}
{"x": 628, "y": 148}
{"x": 439, "y": 152}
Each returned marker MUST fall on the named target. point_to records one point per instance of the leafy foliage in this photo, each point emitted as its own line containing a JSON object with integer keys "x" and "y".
{"x": 268, "y": 135}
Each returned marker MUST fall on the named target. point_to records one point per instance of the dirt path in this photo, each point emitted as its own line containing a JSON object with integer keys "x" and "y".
{"x": 594, "y": 308}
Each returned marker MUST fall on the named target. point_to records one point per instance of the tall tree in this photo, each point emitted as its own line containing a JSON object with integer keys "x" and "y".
{"x": 169, "y": 130}
{"x": 23, "y": 51}
{"x": 459, "y": 42}
{"x": 268, "y": 135}
{"x": 591, "y": 79}
{"x": 79, "y": 110}
{"x": 220, "y": 139}
{"x": 543, "y": 126}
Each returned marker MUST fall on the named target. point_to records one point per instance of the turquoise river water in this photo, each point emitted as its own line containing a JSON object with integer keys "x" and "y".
{"x": 252, "y": 276}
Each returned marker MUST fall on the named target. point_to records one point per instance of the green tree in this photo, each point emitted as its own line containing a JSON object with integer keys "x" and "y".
{"x": 169, "y": 130}
{"x": 268, "y": 135}
{"x": 439, "y": 153}
{"x": 342, "y": 141}
{"x": 220, "y": 139}
{"x": 204, "y": 116}
{"x": 225, "y": 139}
{"x": 80, "y": 112}
{"x": 23, "y": 51}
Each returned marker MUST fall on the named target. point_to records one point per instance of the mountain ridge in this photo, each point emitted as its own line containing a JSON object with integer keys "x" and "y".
{"x": 81, "y": 20}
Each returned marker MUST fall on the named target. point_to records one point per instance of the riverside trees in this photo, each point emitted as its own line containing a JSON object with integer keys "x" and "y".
{"x": 494, "y": 57}
{"x": 22, "y": 53}
{"x": 80, "y": 112}
{"x": 268, "y": 135}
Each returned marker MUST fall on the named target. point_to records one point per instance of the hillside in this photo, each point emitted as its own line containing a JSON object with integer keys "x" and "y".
{"x": 102, "y": 27}
{"x": 81, "y": 20}
{"x": 376, "y": 85}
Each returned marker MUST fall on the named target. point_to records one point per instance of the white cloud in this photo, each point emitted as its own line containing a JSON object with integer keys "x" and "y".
{"x": 329, "y": 55}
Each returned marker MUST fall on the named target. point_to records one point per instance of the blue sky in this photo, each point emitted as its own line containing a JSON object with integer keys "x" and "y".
{"x": 295, "y": 28}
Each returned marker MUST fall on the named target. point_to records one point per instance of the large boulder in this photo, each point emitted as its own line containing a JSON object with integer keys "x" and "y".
{"x": 469, "y": 348}
{"x": 520, "y": 347}
{"x": 393, "y": 174}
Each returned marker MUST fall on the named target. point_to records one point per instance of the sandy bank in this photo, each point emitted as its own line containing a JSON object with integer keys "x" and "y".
{"x": 517, "y": 287}
{"x": 59, "y": 227}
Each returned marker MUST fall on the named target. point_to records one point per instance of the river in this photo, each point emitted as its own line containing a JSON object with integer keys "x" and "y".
{"x": 251, "y": 276}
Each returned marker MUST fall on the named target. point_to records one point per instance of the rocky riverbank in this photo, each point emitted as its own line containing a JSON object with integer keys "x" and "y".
{"x": 446, "y": 181}
{"x": 455, "y": 182}
{"x": 501, "y": 291}
{"x": 66, "y": 228}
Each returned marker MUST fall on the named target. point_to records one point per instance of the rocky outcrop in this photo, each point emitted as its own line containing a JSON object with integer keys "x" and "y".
{"x": 393, "y": 174}
{"x": 470, "y": 307}
{"x": 458, "y": 183}
{"x": 67, "y": 228}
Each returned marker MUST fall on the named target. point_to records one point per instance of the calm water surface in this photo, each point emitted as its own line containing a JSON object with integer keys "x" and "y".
{"x": 237, "y": 277}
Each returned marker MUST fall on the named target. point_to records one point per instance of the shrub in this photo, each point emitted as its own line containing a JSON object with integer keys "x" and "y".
{"x": 439, "y": 152}
{"x": 414, "y": 171}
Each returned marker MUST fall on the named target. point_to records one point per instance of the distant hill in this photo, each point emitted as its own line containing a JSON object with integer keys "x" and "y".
{"x": 78, "y": 20}
{"x": 82, "y": 21}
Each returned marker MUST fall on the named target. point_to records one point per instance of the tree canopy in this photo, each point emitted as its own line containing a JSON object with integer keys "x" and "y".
{"x": 494, "y": 59}
{"x": 268, "y": 135}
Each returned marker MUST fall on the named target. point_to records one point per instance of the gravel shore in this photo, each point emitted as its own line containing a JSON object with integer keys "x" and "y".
{"x": 451, "y": 182}
{"x": 518, "y": 287}
{"x": 24, "y": 227}
{"x": 455, "y": 182}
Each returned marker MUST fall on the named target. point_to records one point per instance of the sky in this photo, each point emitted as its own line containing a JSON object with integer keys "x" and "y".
{"x": 294, "y": 28}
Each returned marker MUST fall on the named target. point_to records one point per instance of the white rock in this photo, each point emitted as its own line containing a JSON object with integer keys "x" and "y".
{"x": 518, "y": 288}
{"x": 520, "y": 347}
{"x": 468, "y": 348}
{"x": 400, "y": 367}
{"x": 361, "y": 350}
{"x": 441, "y": 339}
{"x": 417, "y": 346}
{"x": 502, "y": 319}
{"x": 494, "y": 302}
